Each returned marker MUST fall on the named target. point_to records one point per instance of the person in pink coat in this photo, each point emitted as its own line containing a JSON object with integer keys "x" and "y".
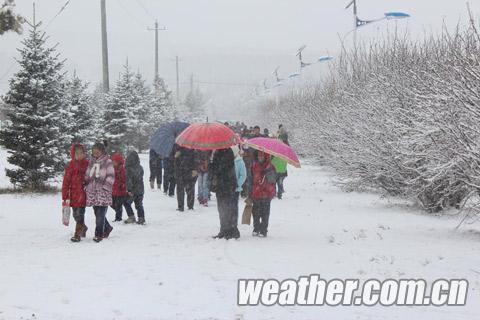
{"x": 99, "y": 178}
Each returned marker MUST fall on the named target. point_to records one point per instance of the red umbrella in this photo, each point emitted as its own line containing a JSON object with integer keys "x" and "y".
{"x": 207, "y": 136}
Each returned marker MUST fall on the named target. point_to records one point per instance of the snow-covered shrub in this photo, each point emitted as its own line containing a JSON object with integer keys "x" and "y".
{"x": 395, "y": 115}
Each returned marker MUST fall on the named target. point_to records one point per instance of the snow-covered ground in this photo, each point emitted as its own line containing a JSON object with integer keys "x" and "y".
{"x": 172, "y": 268}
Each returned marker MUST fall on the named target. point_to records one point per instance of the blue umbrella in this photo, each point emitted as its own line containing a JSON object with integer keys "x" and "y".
{"x": 163, "y": 139}
{"x": 325, "y": 58}
{"x": 293, "y": 75}
{"x": 396, "y": 15}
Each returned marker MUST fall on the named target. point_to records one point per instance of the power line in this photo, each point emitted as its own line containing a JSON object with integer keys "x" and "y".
{"x": 134, "y": 18}
{"x": 58, "y": 13}
{"x": 145, "y": 9}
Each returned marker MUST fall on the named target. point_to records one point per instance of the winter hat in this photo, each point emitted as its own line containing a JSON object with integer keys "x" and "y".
{"x": 117, "y": 157}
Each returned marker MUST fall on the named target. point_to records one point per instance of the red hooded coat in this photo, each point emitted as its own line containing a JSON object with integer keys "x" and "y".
{"x": 74, "y": 180}
{"x": 119, "y": 188}
{"x": 261, "y": 188}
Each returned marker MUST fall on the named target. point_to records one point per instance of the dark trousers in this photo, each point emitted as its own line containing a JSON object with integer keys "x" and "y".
{"x": 234, "y": 216}
{"x": 156, "y": 171}
{"x": 187, "y": 187}
{"x": 118, "y": 202}
{"x": 261, "y": 215}
{"x": 137, "y": 199}
{"x": 169, "y": 184}
{"x": 79, "y": 215}
{"x": 227, "y": 205}
{"x": 101, "y": 223}
{"x": 280, "y": 179}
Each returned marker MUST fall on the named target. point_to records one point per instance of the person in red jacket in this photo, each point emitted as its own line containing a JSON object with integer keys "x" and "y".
{"x": 262, "y": 192}
{"x": 73, "y": 193}
{"x": 119, "y": 189}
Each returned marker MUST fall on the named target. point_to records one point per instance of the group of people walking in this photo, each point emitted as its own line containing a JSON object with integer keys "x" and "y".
{"x": 230, "y": 173}
{"x": 100, "y": 182}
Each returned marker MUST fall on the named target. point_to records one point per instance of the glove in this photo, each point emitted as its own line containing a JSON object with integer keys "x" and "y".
{"x": 194, "y": 173}
{"x": 97, "y": 170}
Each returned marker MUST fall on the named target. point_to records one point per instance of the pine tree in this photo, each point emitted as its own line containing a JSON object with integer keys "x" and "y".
{"x": 98, "y": 104}
{"x": 9, "y": 21}
{"x": 194, "y": 104}
{"x": 117, "y": 119}
{"x": 161, "y": 105}
{"x": 81, "y": 115}
{"x": 34, "y": 103}
{"x": 140, "y": 113}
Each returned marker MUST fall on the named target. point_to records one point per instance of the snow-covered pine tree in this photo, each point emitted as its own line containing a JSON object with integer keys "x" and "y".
{"x": 194, "y": 104}
{"x": 81, "y": 125}
{"x": 9, "y": 21}
{"x": 117, "y": 119}
{"x": 98, "y": 100}
{"x": 33, "y": 137}
{"x": 140, "y": 113}
{"x": 161, "y": 105}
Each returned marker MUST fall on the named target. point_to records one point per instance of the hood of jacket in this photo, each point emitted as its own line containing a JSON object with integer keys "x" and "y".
{"x": 133, "y": 159}
{"x": 74, "y": 146}
{"x": 117, "y": 157}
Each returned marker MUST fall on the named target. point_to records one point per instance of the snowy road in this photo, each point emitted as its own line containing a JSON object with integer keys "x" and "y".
{"x": 172, "y": 268}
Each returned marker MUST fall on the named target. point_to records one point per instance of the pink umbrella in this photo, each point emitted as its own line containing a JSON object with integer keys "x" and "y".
{"x": 274, "y": 147}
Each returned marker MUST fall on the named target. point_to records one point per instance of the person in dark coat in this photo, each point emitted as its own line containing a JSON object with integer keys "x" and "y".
{"x": 169, "y": 175}
{"x": 135, "y": 188}
{"x": 73, "y": 193}
{"x": 262, "y": 192}
{"x": 224, "y": 184}
{"x": 155, "y": 163}
{"x": 185, "y": 176}
{"x": 282, "y": 134}
{"x": 119, "y": 189}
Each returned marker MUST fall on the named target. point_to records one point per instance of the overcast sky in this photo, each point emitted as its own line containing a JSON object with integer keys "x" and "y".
{"x": 234, "y": 41}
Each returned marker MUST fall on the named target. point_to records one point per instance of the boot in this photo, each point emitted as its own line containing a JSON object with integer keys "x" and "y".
{"x": 152, "y": 184}
{"x": 235, "y": 233}
{"x": 97, "y": 239}
{"x": 141, "y": 221}
{"x": 78, "y": 233}
{"x": 107, "y": 232}
{"x": 84, "y": 230}
{"x": 228, "y": 234}
{"x": 220, "y": 235}
{"x": 130, "y": 220}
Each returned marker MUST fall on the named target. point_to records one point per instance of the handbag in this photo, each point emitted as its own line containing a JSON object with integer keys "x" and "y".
{"x": 66, "y": 210}
{"x": 247, "y": 212}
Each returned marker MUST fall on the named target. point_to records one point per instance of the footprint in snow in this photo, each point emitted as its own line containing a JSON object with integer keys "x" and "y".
{"x": 331, "y": 239}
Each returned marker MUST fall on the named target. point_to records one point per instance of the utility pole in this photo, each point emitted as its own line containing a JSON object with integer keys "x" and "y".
{"x": 191, "y": 83}
{"x": 178, "y": 79}
{"x": 106, "y": 81}
{"x": 156, "y": 29}
{"x": 355, "y": 16}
